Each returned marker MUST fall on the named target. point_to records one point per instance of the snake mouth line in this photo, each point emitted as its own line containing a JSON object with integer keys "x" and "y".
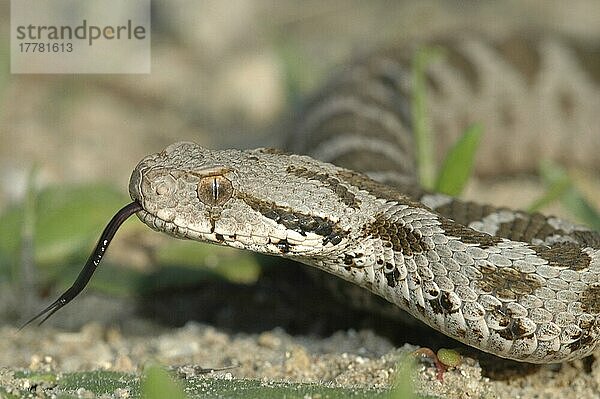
{"x": 161, "y": 225}
{"x": 282, "y": 246}
{"x": 91, "y": 264}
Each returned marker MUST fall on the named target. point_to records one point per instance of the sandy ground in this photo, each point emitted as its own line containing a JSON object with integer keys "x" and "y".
{"x": 346, "y": 358}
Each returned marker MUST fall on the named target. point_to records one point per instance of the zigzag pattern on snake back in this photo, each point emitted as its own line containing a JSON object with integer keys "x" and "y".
{"x": 520, "y": 286}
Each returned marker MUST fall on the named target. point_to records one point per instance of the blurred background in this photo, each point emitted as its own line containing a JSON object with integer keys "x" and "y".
{"x": 224, "y": 74}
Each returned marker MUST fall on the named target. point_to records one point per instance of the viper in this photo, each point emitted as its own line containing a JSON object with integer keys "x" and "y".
{"x": 520, "y": 286}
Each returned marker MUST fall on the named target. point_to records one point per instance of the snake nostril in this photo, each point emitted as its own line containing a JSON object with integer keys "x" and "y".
{"x": 162, "y": 189}
{"x": 164, "y": 185}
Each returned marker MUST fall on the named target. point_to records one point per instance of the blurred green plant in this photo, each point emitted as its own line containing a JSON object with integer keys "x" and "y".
{"x": 457, "y": 167}
{"x": 233, "y": 265}
{"x": 157, "y": 384}
{"x": 298, "y": 73}
{"x": 458, "y": 164}
{"x": 421, "y": 124}
{"x": 560, "y": 187}
{"x": 403, "y": 387}
{"x": 4, "y": 64}
{"x": 65, "y": 221}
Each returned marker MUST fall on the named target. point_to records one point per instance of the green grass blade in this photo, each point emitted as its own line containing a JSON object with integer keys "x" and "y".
{"x": 157, "y": 384}
{"x": 4, "y": 67}
{"x": 458, "y": 165}
{"x": 557, "y": 183}
{"x": 581, "y": 208}
{"x": 27, "y": 272}
{"x": 68, "y": 219}
{"x": 560, "y": 187}
{"x": 421, "y": 127}
{"x": 403, "y": 386}
{"x": 298, "y": 73}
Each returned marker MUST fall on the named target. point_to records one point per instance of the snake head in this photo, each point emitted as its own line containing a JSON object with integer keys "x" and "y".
{"x": 243, "y": 199}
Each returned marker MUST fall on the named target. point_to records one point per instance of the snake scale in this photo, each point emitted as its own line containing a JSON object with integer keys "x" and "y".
{"x": 520, "y": 286}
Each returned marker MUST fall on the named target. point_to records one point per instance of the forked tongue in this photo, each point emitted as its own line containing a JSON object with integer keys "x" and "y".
{"x": 90, "y": 265}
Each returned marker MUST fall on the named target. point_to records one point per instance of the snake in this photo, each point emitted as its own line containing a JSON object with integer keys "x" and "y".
{"x": 517, "y": 285}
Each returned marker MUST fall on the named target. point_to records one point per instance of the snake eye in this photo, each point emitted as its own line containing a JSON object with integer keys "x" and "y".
{"x": 214, "y": 190}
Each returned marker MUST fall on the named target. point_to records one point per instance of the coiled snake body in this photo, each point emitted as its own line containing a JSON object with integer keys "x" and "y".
{"x": 520, "y": 286}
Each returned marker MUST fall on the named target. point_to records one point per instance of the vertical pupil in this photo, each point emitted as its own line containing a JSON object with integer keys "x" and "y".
{"x": 215, "y": 189}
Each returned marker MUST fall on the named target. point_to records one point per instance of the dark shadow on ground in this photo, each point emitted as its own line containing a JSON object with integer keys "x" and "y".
{"x": 288, "y": 297}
